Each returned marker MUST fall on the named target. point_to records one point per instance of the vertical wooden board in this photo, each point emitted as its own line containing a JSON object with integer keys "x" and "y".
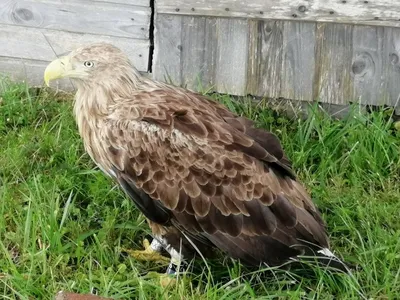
{"x": 253, "y": 66}
{"x": 391, "y": 56}
{"x": 168, "y": 49}
{"x": 298, "y": 60}
{"x": 210, "y": 53}
{"x": 198, "y": 52}
{"x": 232, "y": 53}
{"x": 367, "y": 67}
{"x": 193, "y": 51}
{"x": 265, "y": 58}
{"x": 333, "y": 82}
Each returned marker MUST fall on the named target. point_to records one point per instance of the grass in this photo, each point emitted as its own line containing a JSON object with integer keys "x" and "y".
{"x": 64, "y": 224}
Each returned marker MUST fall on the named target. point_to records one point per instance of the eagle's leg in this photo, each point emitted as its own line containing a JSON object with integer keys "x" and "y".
{"x": 151, "y": 252}
{"x": 177, "y": 263}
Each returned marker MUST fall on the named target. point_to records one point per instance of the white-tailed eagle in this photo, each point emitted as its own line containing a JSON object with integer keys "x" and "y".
{"x": 201, "y": 175}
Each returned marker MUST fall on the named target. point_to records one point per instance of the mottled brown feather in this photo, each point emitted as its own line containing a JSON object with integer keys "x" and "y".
{"x": 245, "y": 167}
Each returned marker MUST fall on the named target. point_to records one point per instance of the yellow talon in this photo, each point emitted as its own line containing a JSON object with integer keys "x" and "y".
{"x": 397, "y": 125}
{"x": 148, "y": 254}
{"x": 165, "y": 280}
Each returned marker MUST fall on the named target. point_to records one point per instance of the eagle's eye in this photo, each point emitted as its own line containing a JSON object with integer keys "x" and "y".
{"x": 88, "y": 64}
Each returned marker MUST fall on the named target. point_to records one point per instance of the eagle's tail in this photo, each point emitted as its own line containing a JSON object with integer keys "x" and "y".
{"x": 326, "y": 258}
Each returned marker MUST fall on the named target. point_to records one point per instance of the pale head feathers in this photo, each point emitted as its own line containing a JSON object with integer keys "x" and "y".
{"x": 103, "y": 64}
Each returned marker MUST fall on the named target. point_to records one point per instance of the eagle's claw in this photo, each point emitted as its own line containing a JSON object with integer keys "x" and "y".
{"x": 148, "y": 254}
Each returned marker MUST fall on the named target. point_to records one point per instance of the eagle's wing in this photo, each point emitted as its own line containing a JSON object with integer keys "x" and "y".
{"x": 188, "y": 161}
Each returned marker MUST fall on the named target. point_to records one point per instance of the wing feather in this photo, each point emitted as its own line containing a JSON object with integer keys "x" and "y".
{"x": 212, "y": 172}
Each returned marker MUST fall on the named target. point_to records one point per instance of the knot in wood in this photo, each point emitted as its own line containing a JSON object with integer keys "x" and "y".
{"x": 394, "y": 58}
{"x": 302, "y": 8}
{"x": 363, "y": 64}
{"x": 22, "y": 14}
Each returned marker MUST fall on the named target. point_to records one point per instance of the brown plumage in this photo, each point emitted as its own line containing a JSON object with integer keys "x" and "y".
{"x": 190, "y": 165}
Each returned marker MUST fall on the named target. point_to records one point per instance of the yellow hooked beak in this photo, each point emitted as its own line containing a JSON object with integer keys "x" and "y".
{"x": 58, "y": 68}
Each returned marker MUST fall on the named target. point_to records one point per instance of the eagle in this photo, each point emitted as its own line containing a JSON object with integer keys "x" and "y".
{"x": 206, "y": 179}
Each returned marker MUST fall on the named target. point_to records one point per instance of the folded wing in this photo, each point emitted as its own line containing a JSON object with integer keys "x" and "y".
{"x": 189, "y": 162}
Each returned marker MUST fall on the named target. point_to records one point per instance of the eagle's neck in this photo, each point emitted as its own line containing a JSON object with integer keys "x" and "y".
{"x": 90, "y": 110}
{"x": 91, "y": 103}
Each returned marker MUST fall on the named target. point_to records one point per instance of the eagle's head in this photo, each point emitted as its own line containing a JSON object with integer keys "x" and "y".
{"x": 92, "y": 64}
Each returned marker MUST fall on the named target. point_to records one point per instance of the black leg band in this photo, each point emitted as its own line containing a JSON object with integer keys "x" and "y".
{"x": 173, "y": 268}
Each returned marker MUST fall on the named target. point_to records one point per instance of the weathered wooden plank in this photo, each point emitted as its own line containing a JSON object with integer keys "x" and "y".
{"x": 40, "y": 44}
{"x": 23, "y": 42}
{"x": 194, "y": 65}
{"x": 168, "y": 52}
{"x": 298, "y": 60}
{"x": 391, "y": 58}
{"x": 282, "y": 59}
{"x": 193, "y": 51}
{"x": 368, "y": 65}
{"x": 232, "y": 52}
{"x": 265, "y": 58}
{"x": 78, "y": 16}
{"x": 333, "y": 82}
{"x": 198, "y": 52}
{"x": 377, "y": 12}
{"x": 145, "y": 3}
{"x": 29, "y": 71}
{"x": 210, "y": 53}
{"x": 61, "y": 295}
{"x": 332, "y": 63}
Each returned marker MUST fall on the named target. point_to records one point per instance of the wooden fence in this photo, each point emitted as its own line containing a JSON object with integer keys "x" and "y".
{"x": 34, "y": 32}
{"x": 333, "y": 51}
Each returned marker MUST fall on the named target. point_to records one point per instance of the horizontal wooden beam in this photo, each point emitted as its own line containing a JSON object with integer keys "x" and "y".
{"x": 29, "y": 71}
{"x": 371, "y": 12}
{"x": 78, "y": 16}
{"x": 145, "y": 3}
{"x": 45, "y": 45}
{"x": 25, "y": 52}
